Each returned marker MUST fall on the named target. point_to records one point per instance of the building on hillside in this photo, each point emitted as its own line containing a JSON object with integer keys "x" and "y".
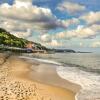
{"x": 29, "y": 47}
{"x": 32, "y": 48}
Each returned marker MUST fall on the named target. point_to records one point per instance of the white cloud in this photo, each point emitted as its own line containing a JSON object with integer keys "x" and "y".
{"x": 95, "y": 44}
{"x": 91, "y": 17}
{"x": 73, "y": 21}
{"x": 13, "y": 25}
{"x": 21, "y": 3}
{"x": 23, "y": 34}
{"x": 22, "y": 15}
{"x": 25, "y": 12}
{"x": 41, "y": 0}
{"x": 45, "y": 38}
{"x": 53, "y": 43}
{"x": 80, "y": 32}
{"x": 50, "y": 41}
{"x": 70, "y": 7}
{"x": 23, "y": 0}
{"x": 81, "y": 44}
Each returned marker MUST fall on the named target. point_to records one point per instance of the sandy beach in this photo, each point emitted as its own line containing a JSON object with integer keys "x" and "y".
{"x": 24, "y": 80}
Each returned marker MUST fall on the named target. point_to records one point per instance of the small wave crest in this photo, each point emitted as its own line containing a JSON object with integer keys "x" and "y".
{"x": 81, "y": 67}
{"x": 41, "y": 60}
{"x": 89, "y": 82}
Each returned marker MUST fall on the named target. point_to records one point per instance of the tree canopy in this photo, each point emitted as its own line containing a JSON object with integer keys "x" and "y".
{"x": 10, "y": 40}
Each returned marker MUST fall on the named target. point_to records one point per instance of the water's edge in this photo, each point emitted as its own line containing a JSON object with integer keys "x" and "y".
{"x": 88, "y": 81}
{"x": 59, "y": 65}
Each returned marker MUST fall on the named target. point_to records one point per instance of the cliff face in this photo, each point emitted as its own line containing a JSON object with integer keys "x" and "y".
{"x": 8, "y": 39}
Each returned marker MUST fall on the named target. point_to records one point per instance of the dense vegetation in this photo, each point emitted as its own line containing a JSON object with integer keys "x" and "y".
{"x": 7, "y": 39}
{"x": 10, "y": 40}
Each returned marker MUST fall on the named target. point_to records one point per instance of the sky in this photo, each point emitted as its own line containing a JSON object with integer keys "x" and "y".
{"x": 72, "y": 24}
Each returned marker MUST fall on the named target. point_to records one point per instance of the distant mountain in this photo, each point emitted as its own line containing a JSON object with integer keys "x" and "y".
{"x": 7, "y": 39}
{"x": 64, "y": 50}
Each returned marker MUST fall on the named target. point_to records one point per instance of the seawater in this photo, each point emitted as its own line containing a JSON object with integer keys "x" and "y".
{"x": 79, "y": 68}
{"x": 85, "y": 61}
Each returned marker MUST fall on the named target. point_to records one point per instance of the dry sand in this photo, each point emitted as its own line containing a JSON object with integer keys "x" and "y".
{"x": 16, "y": 83}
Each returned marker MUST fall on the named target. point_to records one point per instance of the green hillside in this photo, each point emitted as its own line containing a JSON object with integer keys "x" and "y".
{"x": 7, "y": 39}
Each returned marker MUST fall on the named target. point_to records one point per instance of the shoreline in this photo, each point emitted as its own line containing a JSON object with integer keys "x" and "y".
{"x": 89, "y": 82}
{"x": 54, "y": 79}
{"x": 85, "y": 85}
{"x": 49, "y": 68}
{"x": 18, "y": 76}
{"x": 39, "y": 74}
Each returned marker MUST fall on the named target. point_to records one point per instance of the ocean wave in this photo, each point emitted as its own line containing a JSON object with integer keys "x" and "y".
{"x": 89, "y": 82}
{"x": 81, "y": 67}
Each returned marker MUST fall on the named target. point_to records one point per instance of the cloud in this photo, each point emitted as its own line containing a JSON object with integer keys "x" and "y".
{"x": 49, "y": 40}
{"x": 23, "y": 0}
{"x": 42, "y": 1}
{"x": 53, "y": 43}
{"x": 91, "y": 17}
{"x": 22, "y": 15}
{"x": 13, "y": 25}
{"x": 95, "y": 44}
{"x": 73, "y": 21}
{"x": 80, "y": 32}
{"x": 71, "y": 7}
{"x": 81, "y": 44}
{"x": 25, "y": 12}
{"x": 46, "y": 38}
{"x": 23, "y": 34}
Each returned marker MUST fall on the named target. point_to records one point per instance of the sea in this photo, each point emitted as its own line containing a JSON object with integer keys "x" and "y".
{"x": 79, "y": 68}
{"x": 84, "y": 61}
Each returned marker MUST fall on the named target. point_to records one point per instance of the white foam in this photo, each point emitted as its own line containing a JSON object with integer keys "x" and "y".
{"x": 41, "y": 60}
{"x": 89, "y": 82}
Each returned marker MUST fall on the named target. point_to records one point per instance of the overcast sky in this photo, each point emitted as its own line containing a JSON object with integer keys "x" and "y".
{"x": 71, "y": 24}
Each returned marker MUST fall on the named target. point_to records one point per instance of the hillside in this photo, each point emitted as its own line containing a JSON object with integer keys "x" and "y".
{"x": 7, "y": 39}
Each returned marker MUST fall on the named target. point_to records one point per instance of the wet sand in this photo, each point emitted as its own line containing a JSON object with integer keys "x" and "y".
{"x": 19, "y": 80}
{"x": 46, "y": 73}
